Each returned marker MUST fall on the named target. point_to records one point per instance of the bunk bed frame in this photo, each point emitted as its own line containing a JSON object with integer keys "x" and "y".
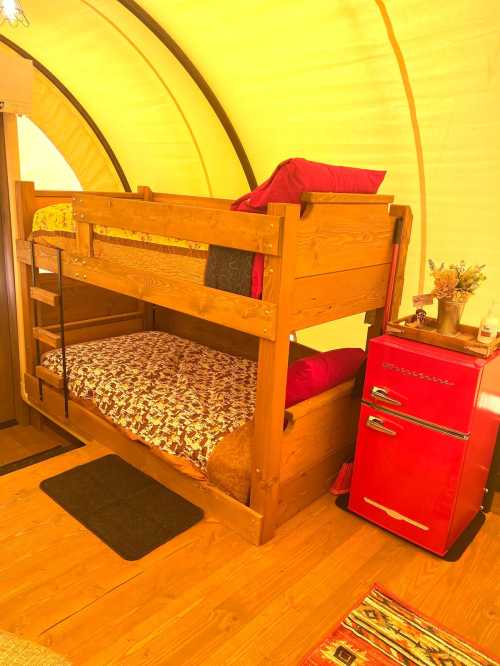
{"x": 327, "y": 259}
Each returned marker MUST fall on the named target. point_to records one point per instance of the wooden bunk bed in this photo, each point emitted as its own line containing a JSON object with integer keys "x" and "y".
{"x": 326, "y": 259}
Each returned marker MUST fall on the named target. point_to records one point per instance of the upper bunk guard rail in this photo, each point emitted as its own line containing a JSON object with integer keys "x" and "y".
{"x": 48, "y": 197}
{"x": 232, "y": 310}
{"x": 242, "y": 231}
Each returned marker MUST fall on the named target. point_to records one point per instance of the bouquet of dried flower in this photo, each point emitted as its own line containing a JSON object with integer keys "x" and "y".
{"x": 457, "y": 282}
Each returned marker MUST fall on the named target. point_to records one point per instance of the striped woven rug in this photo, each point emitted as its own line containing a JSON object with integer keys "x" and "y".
{"x": 384, "y": 630}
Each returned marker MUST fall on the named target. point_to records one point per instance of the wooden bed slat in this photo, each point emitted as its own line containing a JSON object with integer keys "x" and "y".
{"x": 49, "y": 338}
{"x": 49, "y": 377}
{"x": 58, "y": 194}
{"x": 83, "y": 301}
{"x": 318, "y": 427}
{"x": 43, "y": 198}
{"x": 343, "y": 236}
{"x": 190, "y": 200}
{"x": 322, "y": 298}
{"x": 44, "y": 296}
{"x": 87, "y": 330}
{"x": 97, "y": 321}
{"x": 243, "y": 231}
{"x": 334, "y": 197}
{"x": 298, "y": 492}
{"x": 302, "y": 409}
{"x": 241, "y": 312}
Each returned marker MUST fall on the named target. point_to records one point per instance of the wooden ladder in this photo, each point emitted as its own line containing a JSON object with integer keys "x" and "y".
{"x": 44, "y": 335}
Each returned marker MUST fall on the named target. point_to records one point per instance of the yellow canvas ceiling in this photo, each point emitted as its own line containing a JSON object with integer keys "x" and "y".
{"x": 319, "y": 79}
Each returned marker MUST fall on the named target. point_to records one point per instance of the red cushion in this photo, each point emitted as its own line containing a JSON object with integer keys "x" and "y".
{"x": 294, "y": 176}
{"x": 290, "y": 180}
{"x": 257, "y": 276}
{"x": 314, "y": 374}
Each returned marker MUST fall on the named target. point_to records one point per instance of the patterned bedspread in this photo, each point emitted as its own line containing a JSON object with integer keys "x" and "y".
{"x": 167, "y": 391}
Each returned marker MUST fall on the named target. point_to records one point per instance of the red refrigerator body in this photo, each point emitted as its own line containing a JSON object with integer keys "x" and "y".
{"x": 427, "y": 432}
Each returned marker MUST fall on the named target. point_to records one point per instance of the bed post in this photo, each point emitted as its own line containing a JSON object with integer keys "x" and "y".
{"x": 405, "y": 214}
{"x": 279, "y": 277}
{"x": 145, "y": 192}
{"x": 376, "y": 317}
{"x": 26, "y": 207}
{"x": 148, "y": 309}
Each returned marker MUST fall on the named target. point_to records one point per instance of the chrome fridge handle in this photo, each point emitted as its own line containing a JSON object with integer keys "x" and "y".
{"x": 382, "y": 395}
{"x": 375, "y": 423}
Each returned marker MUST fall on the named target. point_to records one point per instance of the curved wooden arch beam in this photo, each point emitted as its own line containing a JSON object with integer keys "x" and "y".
{"x": 78, "y": 106}
{"x": 416, "y": 135}
{"x": 149, "y": 22}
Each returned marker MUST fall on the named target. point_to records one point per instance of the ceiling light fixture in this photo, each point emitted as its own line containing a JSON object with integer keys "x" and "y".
{"x": 12, "y": 12}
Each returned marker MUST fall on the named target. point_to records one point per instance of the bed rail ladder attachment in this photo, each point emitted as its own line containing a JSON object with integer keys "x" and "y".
{"x": 33, "y": 290}
{"x": 61, "y": 329}
{"x": 40, "y": 334}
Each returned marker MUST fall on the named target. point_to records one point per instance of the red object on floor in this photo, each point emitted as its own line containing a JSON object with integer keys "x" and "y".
{"x": 342, "y": 483}
{"x": 427, "y": 432}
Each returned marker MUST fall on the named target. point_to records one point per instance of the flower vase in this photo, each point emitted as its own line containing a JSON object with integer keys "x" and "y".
{"x": 449, "y": 315}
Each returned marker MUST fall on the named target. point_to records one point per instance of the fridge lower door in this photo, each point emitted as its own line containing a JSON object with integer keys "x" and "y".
{"x": 406, "y": 477}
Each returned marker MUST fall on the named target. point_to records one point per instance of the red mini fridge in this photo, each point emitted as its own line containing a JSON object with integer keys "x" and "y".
{"x": 427, "y": 431}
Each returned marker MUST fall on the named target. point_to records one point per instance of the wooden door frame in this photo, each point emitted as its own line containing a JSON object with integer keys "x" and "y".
{"x": 21, "y": 409}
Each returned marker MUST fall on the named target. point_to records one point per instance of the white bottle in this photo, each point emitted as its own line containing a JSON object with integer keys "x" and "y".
{"x": 489, "y": 326}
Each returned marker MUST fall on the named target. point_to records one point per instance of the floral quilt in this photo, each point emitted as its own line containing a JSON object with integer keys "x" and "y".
{"x": 168, "y": 392}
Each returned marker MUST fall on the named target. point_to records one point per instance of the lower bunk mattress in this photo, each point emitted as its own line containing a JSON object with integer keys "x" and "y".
{"x": 172, "y": 394}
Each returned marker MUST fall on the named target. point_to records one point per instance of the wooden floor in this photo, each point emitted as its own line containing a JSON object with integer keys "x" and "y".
{"x": 20, "y": 442}
{"x": 207, "y": 597}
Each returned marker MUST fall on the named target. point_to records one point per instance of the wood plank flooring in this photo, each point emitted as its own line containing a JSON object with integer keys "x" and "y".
{"x": 208, "y": 597}
{"x": 20, "y": 442}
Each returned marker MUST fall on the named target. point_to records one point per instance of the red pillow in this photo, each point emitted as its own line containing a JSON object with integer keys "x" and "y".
{"x": 314, "y": 374}
{"x": 295, "y": 176}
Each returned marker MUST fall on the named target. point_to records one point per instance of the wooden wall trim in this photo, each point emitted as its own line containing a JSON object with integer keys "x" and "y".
{"x": 167, "y": 40}
{"x": 78, "y": 106}
{"x": 7, "y": 259}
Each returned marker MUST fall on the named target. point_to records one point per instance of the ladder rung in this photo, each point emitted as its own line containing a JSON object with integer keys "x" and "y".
{"x": 44, "y": 296}
{"x": 49, "y": 377}
{"x": 47, "y": 337}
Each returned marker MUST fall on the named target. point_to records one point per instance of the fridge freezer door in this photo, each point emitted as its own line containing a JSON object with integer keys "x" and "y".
{"x": 433, "y": 384}
{"x": 406, "y": 478}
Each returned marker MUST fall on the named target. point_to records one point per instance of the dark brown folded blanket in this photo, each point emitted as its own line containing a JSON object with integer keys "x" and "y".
{"x": 229, "y": 270}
